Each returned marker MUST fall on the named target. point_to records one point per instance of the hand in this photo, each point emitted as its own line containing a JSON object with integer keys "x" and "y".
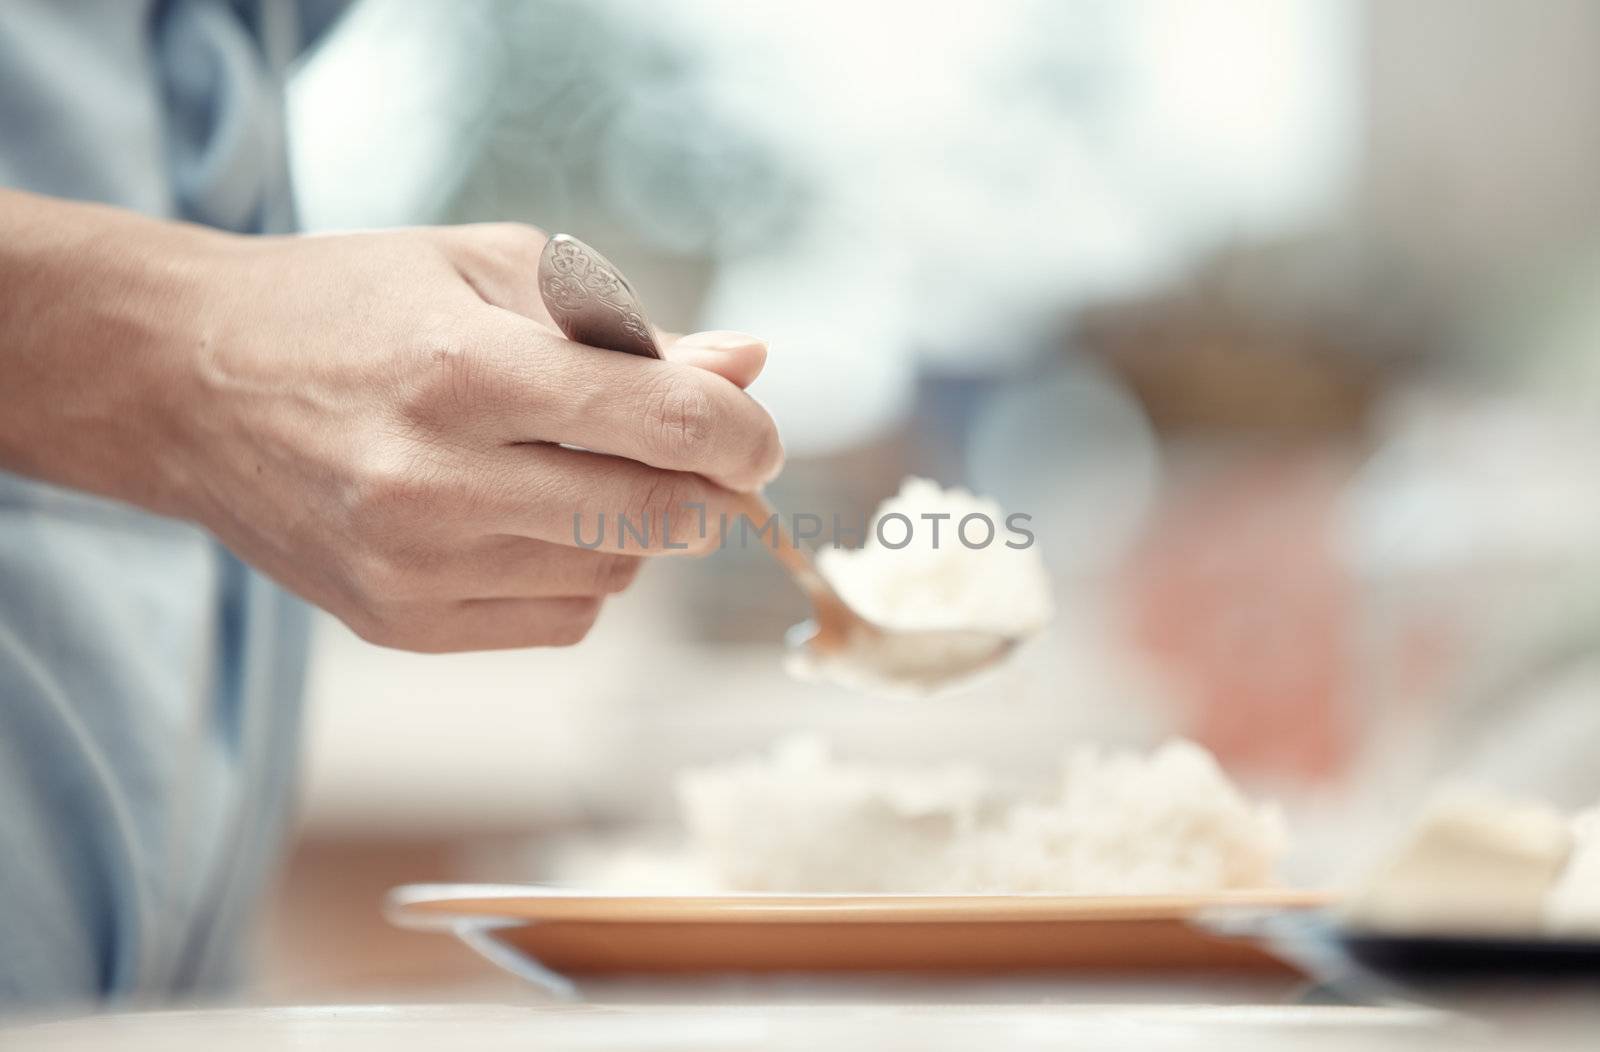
{"x": 380, "y": 421}
{"x": 384, "y": 423}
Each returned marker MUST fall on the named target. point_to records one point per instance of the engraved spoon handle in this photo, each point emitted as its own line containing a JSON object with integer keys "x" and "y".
{"x": 591, "y": 301}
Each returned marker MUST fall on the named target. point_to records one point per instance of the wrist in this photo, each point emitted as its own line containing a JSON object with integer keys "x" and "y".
{"x": 98, "y": 330}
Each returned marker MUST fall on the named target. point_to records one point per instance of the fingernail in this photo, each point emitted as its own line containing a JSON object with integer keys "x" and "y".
{"x": 720, "y": 340}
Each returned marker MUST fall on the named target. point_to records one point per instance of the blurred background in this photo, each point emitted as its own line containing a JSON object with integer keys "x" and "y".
{"x": 1280, "y": 317}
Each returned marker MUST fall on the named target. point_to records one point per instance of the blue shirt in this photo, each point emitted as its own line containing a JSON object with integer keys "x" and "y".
{"x": 149, "y": 681}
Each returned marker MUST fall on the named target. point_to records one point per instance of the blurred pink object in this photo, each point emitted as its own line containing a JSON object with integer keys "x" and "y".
{"x": 1238, "y": 594}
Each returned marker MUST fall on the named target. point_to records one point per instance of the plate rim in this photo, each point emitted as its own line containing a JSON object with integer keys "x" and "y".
{"x": 443, "y": 905}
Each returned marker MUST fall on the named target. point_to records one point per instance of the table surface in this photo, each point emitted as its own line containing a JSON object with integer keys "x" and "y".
{"x": 749, "y": 1013}
{"x": 711, "y": 1028}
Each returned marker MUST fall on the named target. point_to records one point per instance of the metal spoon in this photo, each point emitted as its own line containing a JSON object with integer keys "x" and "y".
{"x": 594, "y": 304}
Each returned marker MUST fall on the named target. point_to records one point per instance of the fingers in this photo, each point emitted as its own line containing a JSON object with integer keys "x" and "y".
{"x": 737, "y": 357}
{"x": 504, "y": 592}
{"x": 685, "y": 414}
{"x": 603, "y": 503}
{"x": 484, "y": 624}
{"x": 662, "y": 413}
{"x": 508, "y": 567}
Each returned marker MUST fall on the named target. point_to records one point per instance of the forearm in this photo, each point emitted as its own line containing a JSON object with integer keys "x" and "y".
{"x": 99, "y": 311}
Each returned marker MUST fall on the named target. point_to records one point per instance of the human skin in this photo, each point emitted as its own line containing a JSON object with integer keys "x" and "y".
{"x": 383, "y": 422}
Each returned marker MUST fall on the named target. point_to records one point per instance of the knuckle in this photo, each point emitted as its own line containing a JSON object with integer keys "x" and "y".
{"x": 393, "y": 488}
{"x": 507, "y": 248}
{"x": 379, "y": 578}
{"x": 660, "y": 497}
{"x": 446, "y": 375}
{"x": 680, "y": 415}
{"x": 392, "y": 514}
{"x": 528, "y": 237}
{"x": 522, "y": 237}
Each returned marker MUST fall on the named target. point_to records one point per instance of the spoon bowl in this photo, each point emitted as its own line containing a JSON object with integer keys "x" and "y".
{"x": 838, "y": 643}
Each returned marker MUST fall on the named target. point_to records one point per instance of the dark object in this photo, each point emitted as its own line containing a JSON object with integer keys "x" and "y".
{"x": 1375, "y": 967}
{"x": 1403, "y": 956}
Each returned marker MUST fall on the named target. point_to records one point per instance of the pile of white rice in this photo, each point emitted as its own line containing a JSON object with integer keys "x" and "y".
{"x": 936, "y": 580}
{"x": 1115, "y": 823}
{"x": 933, "y": 559}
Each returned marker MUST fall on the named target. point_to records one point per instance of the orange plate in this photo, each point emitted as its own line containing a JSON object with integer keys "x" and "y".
{"x": 577, "y": 932}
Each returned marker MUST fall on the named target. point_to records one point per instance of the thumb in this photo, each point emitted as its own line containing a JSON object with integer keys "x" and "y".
{"x": 734, "y": 356}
